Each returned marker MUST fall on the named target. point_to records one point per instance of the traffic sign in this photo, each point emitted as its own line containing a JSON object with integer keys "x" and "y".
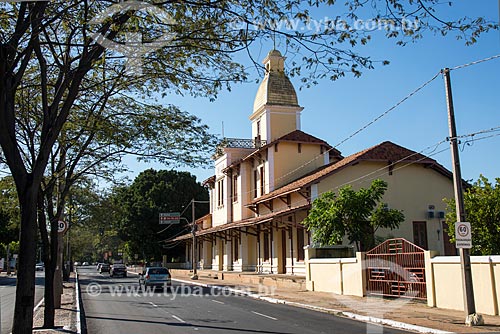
{"x": 62, "y": 226}
{"x": 170, "y": 218}
{"x": 463, "y": 235}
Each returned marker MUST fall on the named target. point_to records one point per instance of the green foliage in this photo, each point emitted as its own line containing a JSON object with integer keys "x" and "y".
{"x": 9, "y": 211}
{"x": 140, "y": 203}
{"x": 355, "y": 214}
{"x": 482, "y": 209}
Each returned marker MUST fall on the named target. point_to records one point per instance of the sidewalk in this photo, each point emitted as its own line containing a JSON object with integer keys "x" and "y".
{"x": 65, "y": 317}
{"x": 367, "y": 309}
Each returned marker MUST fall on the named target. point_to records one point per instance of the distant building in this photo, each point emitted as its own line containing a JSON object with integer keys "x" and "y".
{"x": 263, "y": 187}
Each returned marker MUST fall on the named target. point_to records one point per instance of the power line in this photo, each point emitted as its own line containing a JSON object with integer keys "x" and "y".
{"x": 364, "y": 127}
{"x": 389, "y": 110}
{"x": 495, "y": 129}
{"x": 475, "y": 62}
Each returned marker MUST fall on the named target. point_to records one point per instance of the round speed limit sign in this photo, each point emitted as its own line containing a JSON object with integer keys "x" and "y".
{"x": 62, "y": 226}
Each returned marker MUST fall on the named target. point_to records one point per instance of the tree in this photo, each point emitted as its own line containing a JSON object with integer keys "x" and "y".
{"x": 97, "y": 135}
{"x": 153, "y": 192}
{"x": 54, "y": 46}
{"x": 9, "y": 211}
{"x": 355, "y": 214}
{"x": 482, "y": 209}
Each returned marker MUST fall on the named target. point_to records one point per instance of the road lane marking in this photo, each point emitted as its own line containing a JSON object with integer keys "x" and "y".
{"x": 177, "y": 318}
{"x": 263, "y": 315}
{"x": 153, "y": 304}
{"x": 216, "y": 301}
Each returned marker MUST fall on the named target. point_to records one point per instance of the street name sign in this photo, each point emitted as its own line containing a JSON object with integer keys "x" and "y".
{"x": 463, "y": 235}
{"x": 170, "y": 218}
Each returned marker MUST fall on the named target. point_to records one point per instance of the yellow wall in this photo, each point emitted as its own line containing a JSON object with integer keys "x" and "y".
{"x": 411, "y": 189}
{"x": 447, "y": 277}
{"x": 339, "y": 276}
{"x": 287, "y": 160}
{"x": 281, "y": 124}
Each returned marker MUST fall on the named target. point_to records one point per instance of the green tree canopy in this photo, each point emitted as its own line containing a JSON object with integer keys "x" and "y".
{"x": 149, "y": 194}
{"x": 9, "y": 211}
{"x": 355, "y": 214}
{"x": 482, "y": 209}
{"x": 56, "y": 46}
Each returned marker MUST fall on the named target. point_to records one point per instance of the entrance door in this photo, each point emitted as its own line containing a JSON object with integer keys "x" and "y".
{"x": 449, "y": 248}
{"x": 282, "y": 262}
{"x": 220, "y": 249}
{"x": 420, "y": 234}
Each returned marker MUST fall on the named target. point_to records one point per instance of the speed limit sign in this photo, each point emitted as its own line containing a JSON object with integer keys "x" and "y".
{"x": 62, "y": 226}
{"x": 463, "y": 235}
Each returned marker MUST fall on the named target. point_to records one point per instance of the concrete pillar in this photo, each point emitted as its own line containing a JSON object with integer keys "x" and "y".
{"x": 429, "y": 278}
{"x": 309, "y": 253}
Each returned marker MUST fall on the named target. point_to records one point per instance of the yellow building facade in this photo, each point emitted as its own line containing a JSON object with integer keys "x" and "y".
{"x": 263, "y": 187}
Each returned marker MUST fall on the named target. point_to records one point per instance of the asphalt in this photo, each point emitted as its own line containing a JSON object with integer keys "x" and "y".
{"x": 413, "y": 315}
{"x": 8, "y": 297}
{"x": 191, "y": 308}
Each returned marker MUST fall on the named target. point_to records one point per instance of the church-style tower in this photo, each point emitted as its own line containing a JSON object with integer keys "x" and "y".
{"x": 276, "y": 110}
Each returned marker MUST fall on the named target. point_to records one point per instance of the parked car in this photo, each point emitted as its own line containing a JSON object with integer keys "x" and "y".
{"x": 157, "y": 277}
{"x": 40, "y": 266}
{"x": 77, "y": 264}
{"x": 118, "y": 269}
{"x": 85, "y": 264}
{"x": 104, "y": 268}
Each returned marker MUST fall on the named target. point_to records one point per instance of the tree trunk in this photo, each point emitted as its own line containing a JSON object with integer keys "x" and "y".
{"x": 25, "y": 289}
{"x": 49, "y": 310}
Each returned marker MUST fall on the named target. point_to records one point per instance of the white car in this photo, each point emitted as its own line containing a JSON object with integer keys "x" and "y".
{"x": 40, "y": 266}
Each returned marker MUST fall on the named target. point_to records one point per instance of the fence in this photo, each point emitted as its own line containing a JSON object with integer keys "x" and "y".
{"x": 348, "y": 276}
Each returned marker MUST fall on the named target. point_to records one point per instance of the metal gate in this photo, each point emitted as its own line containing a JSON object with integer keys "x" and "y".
{"x": 396, "y": 268}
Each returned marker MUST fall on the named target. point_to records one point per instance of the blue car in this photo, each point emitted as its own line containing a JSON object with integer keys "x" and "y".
{"x": 157, "y": 277}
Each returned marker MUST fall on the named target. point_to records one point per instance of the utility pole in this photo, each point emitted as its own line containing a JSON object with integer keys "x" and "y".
{"x": 465, "y": 264}
{"x": 194, "y": 249}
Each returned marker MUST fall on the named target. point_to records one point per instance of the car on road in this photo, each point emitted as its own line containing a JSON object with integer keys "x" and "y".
{"x": 104, "y": 268}
{"x": 85, "y": 264}
{"x": 156, "y": 277}
{"x": 118, "y": 269}
{"x": 76, "y": 264}
{"x": 40, "y": 266}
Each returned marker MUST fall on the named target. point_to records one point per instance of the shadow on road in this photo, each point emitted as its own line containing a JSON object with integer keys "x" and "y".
{"x": 176, "y": 324}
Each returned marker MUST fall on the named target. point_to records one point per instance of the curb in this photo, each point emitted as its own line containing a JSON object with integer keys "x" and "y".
{"x": 359, "y": 317}
{"x": 38, "y": 305}
{"x": 78, "y": 322}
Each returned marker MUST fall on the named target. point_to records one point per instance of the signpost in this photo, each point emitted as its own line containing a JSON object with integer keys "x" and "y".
{"x": 463, "y": 235}
{"x": 170, "y": 218}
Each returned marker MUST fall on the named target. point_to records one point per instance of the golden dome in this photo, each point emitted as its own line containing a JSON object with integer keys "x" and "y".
{"x": 276, "y": 88}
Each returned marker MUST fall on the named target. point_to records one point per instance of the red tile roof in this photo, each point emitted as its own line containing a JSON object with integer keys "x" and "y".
{"x": 297, "y": 136}
{"x": 386, "y": 151}
{"x": 245, "y": 222}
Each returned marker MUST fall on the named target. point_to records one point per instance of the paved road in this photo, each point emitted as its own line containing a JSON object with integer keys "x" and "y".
{"x": 205, "y": 310}
{"x": 8, "y": 297}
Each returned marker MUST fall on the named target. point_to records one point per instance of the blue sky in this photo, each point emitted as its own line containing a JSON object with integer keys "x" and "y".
{"x": 335, "y": 109}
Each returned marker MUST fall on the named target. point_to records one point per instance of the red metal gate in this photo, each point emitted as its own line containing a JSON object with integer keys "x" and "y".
{"x": 396, "y": 268}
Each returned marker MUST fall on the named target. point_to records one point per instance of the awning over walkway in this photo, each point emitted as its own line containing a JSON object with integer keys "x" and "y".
{"x": 244, "y": 222}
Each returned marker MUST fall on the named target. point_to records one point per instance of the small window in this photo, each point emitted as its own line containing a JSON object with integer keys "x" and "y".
{"x": 235, "y": 188}
{"x": 299, "y": 147}
{"x": 276, "y": 147}
{"x": 255, "y": 183}
{"x": 220, "y": 193}
{"x": 262, "y": 181}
